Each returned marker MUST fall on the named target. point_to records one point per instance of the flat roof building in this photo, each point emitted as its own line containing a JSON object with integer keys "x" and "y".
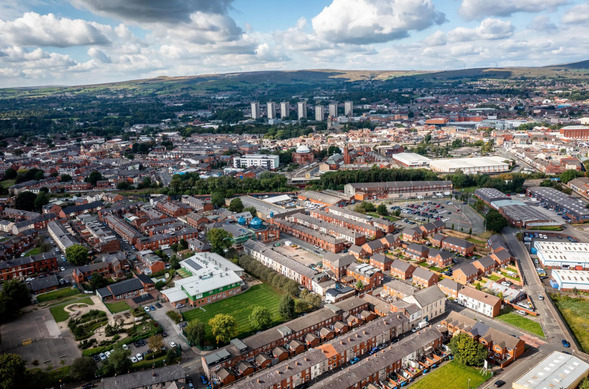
{"x": 471, "y": 165}
{"x": 563, "y": 255}
{"x": 563, "y": 279}
{"x": 561, "y": 202}
{"x": 268, "y": 161}
{"x": 558, "y": 370}
{"x": 411, "y": 160}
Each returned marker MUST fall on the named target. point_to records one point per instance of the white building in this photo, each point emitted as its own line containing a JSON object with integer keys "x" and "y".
{"x": 284, "y": 109}
{"x": 570, "y": 279}
{"x": 212, "y": 278}
{"x": 333, "y": 110}
{"x": 302, "y": 110}
{"x": 349, "y": 108}
{"x": 61, "y": 237}
{"x": 563, "y": 255}
{"x": 255, "y": 110}
{"x": 558, "y": 370}
{"x": 471, "y": 165}
{"x": 268, "y": 161}
{"x": 271, "y": 108}
{"x": 481, "y": 302}
{"x": 319, "y": 113}
{"x": 432, "y": 302}
{"x": 411, "y": 160}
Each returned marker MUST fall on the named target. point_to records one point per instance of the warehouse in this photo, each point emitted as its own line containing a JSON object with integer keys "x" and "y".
{"x": 572, "y": 207}
{"x": 524, "y": 216}
{"x": 397, "y": 189}
{"x": 411, "y": 160}
{"x": 550, "y": 373}
{"x": 474, "y": 165}
{"x": 564, "y": 279}
{"x": 562, "y": 255}
{"x": 488, "y": 195}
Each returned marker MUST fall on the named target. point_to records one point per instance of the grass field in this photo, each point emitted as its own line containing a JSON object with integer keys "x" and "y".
{"x": 59, "y": 313}
{"x": 522, "y": 322}
{"x": 240, "y": 307}
{"x": 451, "y": 375}
{"x": 117, "y": 307}
{"x": 57, "y": 294}
{"x": 576, "y": 313}
{"x": 7, "y": 183}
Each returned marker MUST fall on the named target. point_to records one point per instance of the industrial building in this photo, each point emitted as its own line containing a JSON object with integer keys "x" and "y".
{"x": 411, "y": 160}
{"x": 572, "y": 207}
{"x": 398, "y": 189}
{"x": 473, "y": 165}
{"x": 564, "y": 279}
{"x": 558, "y": 370}
{"x": 562, "y": 255}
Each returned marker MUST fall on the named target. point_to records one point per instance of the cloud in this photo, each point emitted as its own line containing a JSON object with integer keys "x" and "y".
{"x": 577, "y": 14}
{"x": 153, "y": 11}
{"x": 489, "y": 29}
{"x": 99, "y": 55}
{"x": 542, "y": 23}
{"x": 374, "y": 21}
{"x": 478, "y": 9}
{"x": 438, "y": 38}
{"x": 33, "y": 29}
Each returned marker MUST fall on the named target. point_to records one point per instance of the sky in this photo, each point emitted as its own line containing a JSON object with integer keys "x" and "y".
{"x": 74, "y": 42}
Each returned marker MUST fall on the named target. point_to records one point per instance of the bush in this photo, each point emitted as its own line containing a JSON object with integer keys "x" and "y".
{"x": 175, "y": 316}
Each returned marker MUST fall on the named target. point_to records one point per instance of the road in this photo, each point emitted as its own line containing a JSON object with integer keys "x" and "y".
{"x": 552, "y": 324}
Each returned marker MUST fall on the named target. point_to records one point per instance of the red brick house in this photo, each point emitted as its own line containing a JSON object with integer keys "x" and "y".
{"x": 485, "y": 265}
{"x": 424, "y": 278}
{"x": 466, "y": 273}
{"x": 458, "y": 245}
{"x": 381, "y": 262}
{"x": 401, "y": 269}
{"x": 439, "y": 258}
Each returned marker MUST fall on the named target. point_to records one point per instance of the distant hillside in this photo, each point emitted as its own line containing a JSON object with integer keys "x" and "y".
{"x": 284, "y": 84}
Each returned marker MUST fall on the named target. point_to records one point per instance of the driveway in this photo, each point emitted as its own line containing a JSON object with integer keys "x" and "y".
{"x": 168, "y": 325}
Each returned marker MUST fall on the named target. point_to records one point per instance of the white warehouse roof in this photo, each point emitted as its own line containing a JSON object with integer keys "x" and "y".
{"x": 491, "y": 164}
{"x": 558, "y": 370}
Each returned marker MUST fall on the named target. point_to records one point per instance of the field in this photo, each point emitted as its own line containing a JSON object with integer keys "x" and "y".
{"x": 576, "y": 313}
{"x": 117, "y": 307}
{"x": 451, "y": 375}
{"x": 59, "y": 313}
{"x": 239, "y": 307}
{"x": 57, "y": 294}
{"x": 522, "y": 322}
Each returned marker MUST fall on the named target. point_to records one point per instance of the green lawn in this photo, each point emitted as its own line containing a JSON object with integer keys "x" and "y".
{"x": 493, "y": 277}
{"x": 576, "y": 313}
{"x": 59, "y": 313}
{"x": 451, "y": 375}
{"x": 522, "y": 322}
{"x": 34, "y": 251}
{"x": 117, "y": 307}
{"x": 239, "y": 307}
{"x": 57, "y": 294}
{"x": 7, "y": 183}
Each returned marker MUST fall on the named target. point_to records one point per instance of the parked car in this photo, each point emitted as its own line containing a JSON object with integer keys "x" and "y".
{"x": 165, "y": 334}
{"x": 355, "y": 360}
{"x": 566, "y": 343}
{"x": 102, "y": 356}
{"x": 158, "y": 305}
{"x": 125, "y": 347}
{"x": 540, "y": 297}
{"x": 172, "y": 344}
{"x": 146, "y": 309}
{"x": 134, "y": 360}
{"x": 499, "y": 383}
{"x": 62, "y": 268}
{"x": 139, "y": 357}
{"x": 152, "y": 307}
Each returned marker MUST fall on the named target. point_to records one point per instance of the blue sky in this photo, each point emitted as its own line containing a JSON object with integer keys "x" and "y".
{"x": 66, "y": 42}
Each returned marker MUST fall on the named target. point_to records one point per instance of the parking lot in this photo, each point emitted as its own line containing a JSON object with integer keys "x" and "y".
{"x": 298, "y": 253}
{"x": 453, "y": 213}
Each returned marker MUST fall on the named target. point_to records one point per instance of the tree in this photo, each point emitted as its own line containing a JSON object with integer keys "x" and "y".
{"x": 220, "y": 240}
{"x": 41, "y": 199}
{"x": 9, "y": 174}
{"x": 568, "y": 175}
{"x": 251, "y": 210}
{"x": 218, "y": 199}
{"x": 236, "y": 205}
{"x": 175, "y": 262}
{"x": 77, "y": 255}
{"x": 223, "y": 327}
{"x": 382, "y": 210}
{"x": 17, "y": 291}
{"x": 119, "y": 360}
{"x": 25, "y": 201}
{"x": 155, "y": 342}
{"x": 467, "y": 351}
{"x": 359, "y": 285}
{"x": 397, "y": 212}
{"x": 83, "y": 368}
{"x": 183, "y": 244}
{"x": 65, "y": 178}
{"x": 584, "y": 384}
{"x": 260, "y": 318}
{"x": 12, "y": 371}
{"x": 94, "y": 177}
{"x": 97, "y": 281}
{"x": 495, "y": 221}
{"x": 286, "y": 308}
{"x": 195, "y": 332}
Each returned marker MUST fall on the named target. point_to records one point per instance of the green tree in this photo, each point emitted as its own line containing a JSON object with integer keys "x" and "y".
{"x": 155, "y": 342}
{"x": 359, "y": 285}
{"x": 41, "y": 199}
{"x": 65, "y": 178}
{"x": 25, "y": 201}
{"x": 236, "y": 205}
{"x": 260, "y": 318}
{"x": 286, "y": 308}
{"x": 12, "y": 371}
{"x": 467, "y": 351}
{"x": 119, "y": 360}
{"x": 77, "y": 255}
{"x": 251, "y": 210}
{"x": 175, "y": 262}
{"x": 9, "y": 174}
{"x": 495, "y": 221}
{"x": 183, "y": 244}
{"x": 382, "y": 210}
{"x": 220, "y": 240}
{"x": 83, "y": 368}
{"x": 94, "y": 177}
{"x": 97, "y": 281}
{"x": 584, "y": 384}
{"x": 218, "y": 199}
{"x": 223, "y": 327}
{"x": 195, "y": 332}
{"x": 569, "y": 175}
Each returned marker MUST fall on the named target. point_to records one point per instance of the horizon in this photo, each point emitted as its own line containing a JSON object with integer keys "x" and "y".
{"x": 87, "y": 42}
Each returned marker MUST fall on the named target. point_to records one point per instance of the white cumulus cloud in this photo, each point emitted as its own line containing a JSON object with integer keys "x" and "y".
{"x": 577, "y": 14}
{"x": 478, "y": 9}
{"x": 374, "y": 21}
{"x": 489, "y": 29}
